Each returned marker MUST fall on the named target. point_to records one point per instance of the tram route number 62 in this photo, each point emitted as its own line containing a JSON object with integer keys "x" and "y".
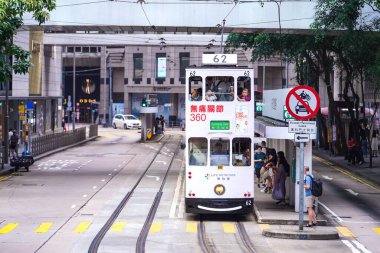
{"x": 197, "y": 117}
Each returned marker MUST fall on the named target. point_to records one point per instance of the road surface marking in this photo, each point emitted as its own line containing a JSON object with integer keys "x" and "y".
{"x": 157, "y": 178}
{"x": 84, "y": 196}
{"x": 352, "y": 247}
{"x": 44, "y": 227}
{"x": 5, "y": 178}
{"x": 377, "y": 230}
{"x": 360, "y": 180}
{"x": 345, "y": 232}
{"x": 177, "y": 196}
{"x": 327, "y": 177}
{"x": 82, "y": 227}
{"x": 73, "y": 206}
{"x": 155, "y": 227}
{"x": 191, "y": 227}
{"x": 229, "y": 227}
{"x": 163, "y": 162}
{"x": 8, "y": 228}
{"x": 118, "y": 227}
{"x": 94, "y": 187}
{"x": 361, "y": 247}
{"x": 264, "y": 226}
{"x": 352, "y": 192}
{"x": 331, "y": 211}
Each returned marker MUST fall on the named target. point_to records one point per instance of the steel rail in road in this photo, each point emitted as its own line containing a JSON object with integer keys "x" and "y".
{"x": 102, "y": 232}
{"x": 207, "y": 246}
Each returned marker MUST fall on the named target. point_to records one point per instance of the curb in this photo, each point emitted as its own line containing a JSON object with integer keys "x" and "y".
{"x": 301, "y": 235}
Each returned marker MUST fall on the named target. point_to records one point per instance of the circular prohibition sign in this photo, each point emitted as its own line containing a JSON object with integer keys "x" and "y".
{"x": 306, "y": 102}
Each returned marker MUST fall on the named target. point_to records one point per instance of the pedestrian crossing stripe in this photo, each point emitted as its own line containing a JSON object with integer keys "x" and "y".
{"x": 8, "y": 228}
{"x": 118, "y": 226}
{"x": 191, "y": 227}
{"x": 377, "y": 230}
{"x": 264, "y": 226}
{"x": 44, "y": 227}
{"x": 229, "y": 227}
{"x": 82, "y": 227}
{"x": 345, "y": 232}
{"x": 155, "y": 227}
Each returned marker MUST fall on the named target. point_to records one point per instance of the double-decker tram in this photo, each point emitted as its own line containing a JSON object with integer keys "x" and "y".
{"x": 219, "y": 136}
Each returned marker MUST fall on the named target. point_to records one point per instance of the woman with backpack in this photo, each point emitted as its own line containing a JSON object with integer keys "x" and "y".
{"x": 279, "y": 190}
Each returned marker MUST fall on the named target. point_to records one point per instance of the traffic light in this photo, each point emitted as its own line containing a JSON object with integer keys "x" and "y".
{"x": 144, "y": 103}
{"x": 1, "y": 103}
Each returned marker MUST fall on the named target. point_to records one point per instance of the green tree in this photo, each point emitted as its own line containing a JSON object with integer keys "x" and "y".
{"x": 11, "y": 19}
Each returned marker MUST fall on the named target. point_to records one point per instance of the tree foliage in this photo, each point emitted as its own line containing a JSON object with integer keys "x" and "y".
{"x": 11, "y": 19}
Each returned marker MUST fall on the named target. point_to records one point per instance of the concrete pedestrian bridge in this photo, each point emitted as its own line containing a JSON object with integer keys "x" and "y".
{"x": 178, "y": 16}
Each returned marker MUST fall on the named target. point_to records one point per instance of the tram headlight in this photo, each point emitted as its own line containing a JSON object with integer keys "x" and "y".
{"x": 219, "y": 189}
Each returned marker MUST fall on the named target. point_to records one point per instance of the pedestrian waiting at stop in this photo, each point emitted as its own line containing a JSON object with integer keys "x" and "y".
{"x": 13, "y": 145}
{"x": 309, "y": 198}
{"x": 279, "y": 189}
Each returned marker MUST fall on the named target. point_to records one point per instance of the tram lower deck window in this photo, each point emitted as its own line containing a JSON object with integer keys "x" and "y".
{"x": 197, "y": 151}
{"x": 241, "y": 151}
{"x": 220, "y": 151}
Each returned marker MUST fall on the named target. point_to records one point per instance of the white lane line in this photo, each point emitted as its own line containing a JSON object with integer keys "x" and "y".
{"x": 103, "y": 180}
{"x": 352, "y": 247}
{"x": 110, "y": 174}
{"x": 352, "y": 192}
{"x": 163, "y": 162}
{"x": 73, "y": 206}
{"x": 94, "y": 187}
{"x": 331, "y": 211}
{"x": 327, "y": 178}
{"x": 176, "y": 198}
{"x": 156, "y": 177}
{"x": 361, "y": 247}
{"x": 84, "y": 196}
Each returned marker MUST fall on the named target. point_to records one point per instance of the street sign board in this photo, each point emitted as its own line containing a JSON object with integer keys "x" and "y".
{"x": 302, "y": 102}
{"x": 301, "y": 137}
{"x": 306, "y": 127}
{"x": 287, "y": 115}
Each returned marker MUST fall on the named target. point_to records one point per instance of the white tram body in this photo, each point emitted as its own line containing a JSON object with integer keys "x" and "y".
{"x": 219, "y": 139}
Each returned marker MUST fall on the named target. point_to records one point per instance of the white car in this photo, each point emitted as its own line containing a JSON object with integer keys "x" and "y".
{"x": 126, "y": 122}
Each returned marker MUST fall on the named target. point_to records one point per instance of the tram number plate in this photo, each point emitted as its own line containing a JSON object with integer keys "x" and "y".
{"x": 248, "y": 203}
{"x": 219, "y": 59}
{"x": 219, "y": 125}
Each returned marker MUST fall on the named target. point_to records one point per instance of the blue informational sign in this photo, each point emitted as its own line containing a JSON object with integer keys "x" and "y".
{"x": 161, "y": 67}
{"x": 29, "y": 105}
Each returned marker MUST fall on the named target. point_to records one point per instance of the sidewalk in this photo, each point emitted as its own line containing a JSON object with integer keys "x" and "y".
{"x": 281, "y": 221}
{"x": 370, "y": 174}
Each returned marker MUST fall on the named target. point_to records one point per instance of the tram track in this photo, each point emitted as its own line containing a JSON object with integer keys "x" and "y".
{"x": 141, "y": 240}
{"x": 208, "y": 246}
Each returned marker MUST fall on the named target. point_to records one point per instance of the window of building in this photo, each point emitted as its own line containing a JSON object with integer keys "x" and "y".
{"x": 70, "y": 49}
{"x": 138, "y": 66}
{"x": 241, "y": 151}
{"x": 195, "y": 88}
{"x": 220, "y": 152}
{"x": 197, "y": 151}
{"x": 184, "y": 62}
{"x": 85, "y": 49}
{"x": 160, "y": 65}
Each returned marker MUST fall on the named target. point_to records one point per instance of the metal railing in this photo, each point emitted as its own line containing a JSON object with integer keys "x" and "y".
{"x": 42, "y": 144}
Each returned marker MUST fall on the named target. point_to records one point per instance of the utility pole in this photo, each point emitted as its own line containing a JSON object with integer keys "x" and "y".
{"x": 110, "y": 105}
{"x": 74, "y": 86}
{"x": 6, "y": 141}
{"x": 221, "y": 42}
{"x": 105, "y": 92}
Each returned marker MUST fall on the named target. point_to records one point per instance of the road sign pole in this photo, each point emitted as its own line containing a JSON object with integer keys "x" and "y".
{"x": 301, "y": 187}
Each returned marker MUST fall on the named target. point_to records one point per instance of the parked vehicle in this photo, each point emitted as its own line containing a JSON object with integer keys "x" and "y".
{"x": 126, "y": 122}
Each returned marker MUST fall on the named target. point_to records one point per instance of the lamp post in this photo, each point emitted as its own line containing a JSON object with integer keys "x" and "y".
{"x": 74, "y": 86}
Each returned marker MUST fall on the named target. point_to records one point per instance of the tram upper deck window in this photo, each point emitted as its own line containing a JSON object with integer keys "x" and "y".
{"x": 219, "y": 88}
{"x": 197, "y": 151}
{"x": 244, "y": 89}
{"x": 220, "y": 151}
{"x": 241, "y": 151}
{"x": 195, "y": 88}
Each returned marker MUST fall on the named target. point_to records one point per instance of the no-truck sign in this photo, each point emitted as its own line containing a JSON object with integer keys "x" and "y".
{"x": 302, "y": 102}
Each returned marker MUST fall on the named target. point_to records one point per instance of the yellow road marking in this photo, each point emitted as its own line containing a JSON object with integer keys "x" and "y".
{"x": 264, "y": 226}
{"x": 191, "y": 227}
{"x": 229, "y": 227}
{"x": 82, "y": 227}
{"x": 8, "y": 228}
{"x": 345, "y": 232}
{"x": 44, "y": 227}
{"x": 155, "y": 227}
{"x": 5, "y": 177}
{"x": 360, "y": 180}
{"x": 377, "y": 230}
{"x": 118, "y": 226}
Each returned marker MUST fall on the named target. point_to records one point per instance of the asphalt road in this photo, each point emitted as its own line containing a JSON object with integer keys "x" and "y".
{"x": 60, "y": 205}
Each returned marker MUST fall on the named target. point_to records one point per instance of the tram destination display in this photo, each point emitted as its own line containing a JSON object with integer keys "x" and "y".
{"x": 219, "y": 125}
